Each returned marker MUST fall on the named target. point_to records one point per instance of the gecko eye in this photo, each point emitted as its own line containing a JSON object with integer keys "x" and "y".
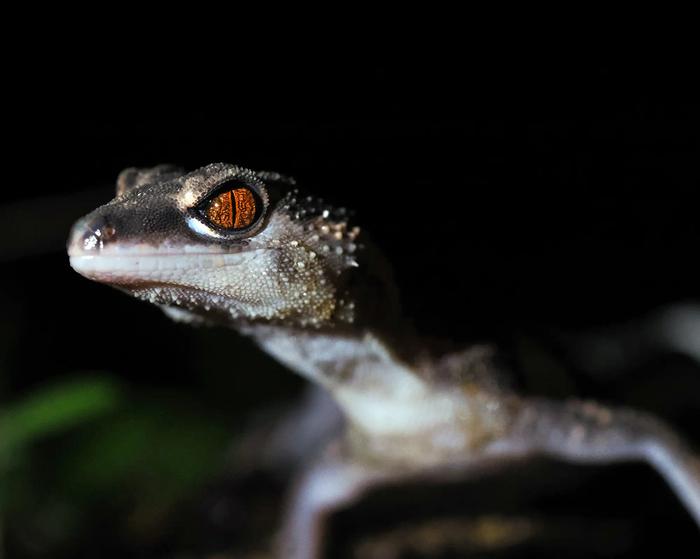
{"x": 233, "y": 208}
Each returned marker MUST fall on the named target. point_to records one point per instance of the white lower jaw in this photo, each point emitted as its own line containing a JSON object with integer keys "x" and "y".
{"x": 137, "y": 268}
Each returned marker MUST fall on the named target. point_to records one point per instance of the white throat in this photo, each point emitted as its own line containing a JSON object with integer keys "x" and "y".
{"x": 380, "y": 395}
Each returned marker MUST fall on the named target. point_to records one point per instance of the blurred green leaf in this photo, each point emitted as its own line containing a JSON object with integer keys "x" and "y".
{"x": 157, "y": 449}
{"x": 53, "y": 409}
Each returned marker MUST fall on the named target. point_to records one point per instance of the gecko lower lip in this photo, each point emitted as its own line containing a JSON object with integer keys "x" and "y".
{"x": 151, "y": 266}
{"x": 144, "y": 266}
{"x": 102, "y": 255}
{"x": 145, "y": 250}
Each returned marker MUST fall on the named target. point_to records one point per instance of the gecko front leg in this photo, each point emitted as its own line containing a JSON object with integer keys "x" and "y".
{"x": 586, "y": 432}
{"x": 330, "y": 484}
{"x": 574, "y": 431}
{"x": 338, "y": 480}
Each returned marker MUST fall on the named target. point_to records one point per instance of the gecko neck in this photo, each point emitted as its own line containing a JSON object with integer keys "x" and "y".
{"x": 339, "y": 358}
{"x": 358, "y": 367}
{"x": 389, "y": 396}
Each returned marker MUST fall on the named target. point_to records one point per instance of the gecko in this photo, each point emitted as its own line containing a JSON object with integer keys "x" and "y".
{"x": 227, "y": 245}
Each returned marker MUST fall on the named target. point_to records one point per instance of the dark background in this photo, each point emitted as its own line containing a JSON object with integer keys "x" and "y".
{"x": 562, "y": 195}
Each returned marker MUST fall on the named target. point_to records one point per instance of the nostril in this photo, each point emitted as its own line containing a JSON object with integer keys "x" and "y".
{"x": 108, "y": 232}
{"x": 91, "y": 233}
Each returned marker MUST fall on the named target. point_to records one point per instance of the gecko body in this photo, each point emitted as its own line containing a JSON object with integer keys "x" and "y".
{"x": 227, "y": 245}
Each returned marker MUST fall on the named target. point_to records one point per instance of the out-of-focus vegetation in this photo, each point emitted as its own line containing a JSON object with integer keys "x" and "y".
{"x": 86, "y": 451}
{"x": 24, "y": 424}
{"x": 51, "y": 410}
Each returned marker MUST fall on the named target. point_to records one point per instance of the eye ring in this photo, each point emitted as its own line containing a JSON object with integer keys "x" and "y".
{"x": 232, "y": 207}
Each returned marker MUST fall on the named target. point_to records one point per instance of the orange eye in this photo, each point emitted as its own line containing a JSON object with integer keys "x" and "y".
{"x": 232, "y": 209}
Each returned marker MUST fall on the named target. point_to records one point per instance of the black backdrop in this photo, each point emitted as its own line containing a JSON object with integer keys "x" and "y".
{"x": 562, "y": 191}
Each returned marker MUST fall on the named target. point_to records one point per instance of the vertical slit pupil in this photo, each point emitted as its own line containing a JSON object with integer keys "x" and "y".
{"x": 245, "y": 207}
{"x": 233, "y": 209}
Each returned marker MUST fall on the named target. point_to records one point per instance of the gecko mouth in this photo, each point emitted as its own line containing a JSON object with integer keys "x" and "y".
{"x": 162, "y": 267}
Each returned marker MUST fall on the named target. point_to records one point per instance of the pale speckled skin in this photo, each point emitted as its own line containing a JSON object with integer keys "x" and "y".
{"x": 312, "y": 290}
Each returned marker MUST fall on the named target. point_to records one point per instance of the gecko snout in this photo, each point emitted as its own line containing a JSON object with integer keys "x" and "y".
{"x": 90, "y": 234}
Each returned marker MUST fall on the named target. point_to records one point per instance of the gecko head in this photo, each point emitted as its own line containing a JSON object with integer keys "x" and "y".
{"x": 223, "y": 244}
